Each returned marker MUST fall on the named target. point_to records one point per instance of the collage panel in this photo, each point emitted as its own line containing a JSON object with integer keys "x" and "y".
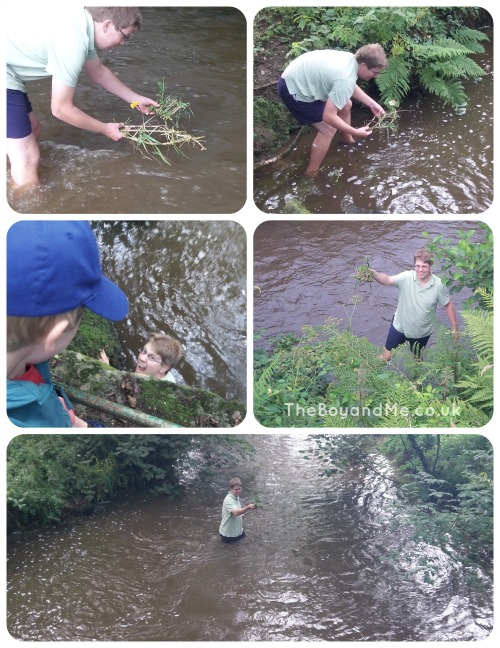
{"x": 144, "y": 118}
{"x": 373, "y": 110}
{"x": 337, "y": 543}
{"x": 373, "y": 324}
{"x": 126, "y": 324}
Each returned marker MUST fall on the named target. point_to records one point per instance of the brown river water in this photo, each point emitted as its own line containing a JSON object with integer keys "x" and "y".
{"x": 200, "y": 53}
{"x": 315, "y": 565}
{"x": 187, "y": 279}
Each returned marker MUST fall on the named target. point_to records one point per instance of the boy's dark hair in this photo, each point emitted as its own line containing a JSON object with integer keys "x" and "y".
{"x": 235, "y": 481}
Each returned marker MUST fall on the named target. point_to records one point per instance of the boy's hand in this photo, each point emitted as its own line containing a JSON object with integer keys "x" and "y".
{"x": 103, "y": 357}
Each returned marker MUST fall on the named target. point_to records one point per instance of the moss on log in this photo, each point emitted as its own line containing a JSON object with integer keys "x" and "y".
{"x": 176, "y": 404}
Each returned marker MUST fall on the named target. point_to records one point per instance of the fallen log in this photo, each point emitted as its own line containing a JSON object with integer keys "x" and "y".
{"x": 96, "y": 383}
{"x": 117, "y": 410}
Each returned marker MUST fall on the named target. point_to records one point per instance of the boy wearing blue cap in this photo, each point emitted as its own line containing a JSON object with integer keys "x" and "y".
{"x": 53, "y": 272}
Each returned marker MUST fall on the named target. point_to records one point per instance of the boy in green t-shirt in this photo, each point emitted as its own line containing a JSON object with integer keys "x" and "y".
{"x": 231, "y": 526}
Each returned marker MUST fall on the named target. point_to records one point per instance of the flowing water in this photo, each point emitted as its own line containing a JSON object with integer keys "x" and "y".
{"x": 200, "y": 53}
{"x": 440, "y": 161}
{"x": 320, "y": 562}
{"x": 186, "y": 279}
{"x": 303, "y": 272}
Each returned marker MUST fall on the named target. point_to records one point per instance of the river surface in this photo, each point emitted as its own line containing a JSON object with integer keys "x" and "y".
{"x": 303, "y": 273}
{"x": 186, "y": 279}
{"x": 315, "y": 565}
{"x": 200, "y": 53}
{"x": 440, "y": 161}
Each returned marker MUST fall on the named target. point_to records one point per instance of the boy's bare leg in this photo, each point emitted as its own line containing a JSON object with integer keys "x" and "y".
{"x": 320, "y": 147}
{"x": 24, "y": 155}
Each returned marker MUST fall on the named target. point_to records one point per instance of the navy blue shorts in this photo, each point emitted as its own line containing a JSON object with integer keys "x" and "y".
{"x": 305, "y": 112}
{"x": 18, "y": 110}
{"x": 229, "y": 539}
{"x": 395, "y": 339}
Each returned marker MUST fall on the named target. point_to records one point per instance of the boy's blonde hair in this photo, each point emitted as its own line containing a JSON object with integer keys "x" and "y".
{"x": 24, "y": 331}
{"x": 168, "y": 348}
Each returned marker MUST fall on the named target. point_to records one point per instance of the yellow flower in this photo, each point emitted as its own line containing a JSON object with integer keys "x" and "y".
{"x": 134, "y": 105}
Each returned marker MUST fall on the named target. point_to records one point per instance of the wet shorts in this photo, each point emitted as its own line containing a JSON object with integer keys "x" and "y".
{"x": 305, "y": 112}
{"x": 228, "y": 539}
{"x": 395, "y": 338}
{"x": 18, "y": 110}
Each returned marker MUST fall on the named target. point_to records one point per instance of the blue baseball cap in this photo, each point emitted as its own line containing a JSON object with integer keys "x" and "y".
{"x": 54, "y": 267}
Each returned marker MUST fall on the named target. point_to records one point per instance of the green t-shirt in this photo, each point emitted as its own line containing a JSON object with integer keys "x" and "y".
{"x": 322, "y": 74}
{"x": 231, "y": 525}
{"x": 416, "y": 311}
{"x": 44, "y": 42}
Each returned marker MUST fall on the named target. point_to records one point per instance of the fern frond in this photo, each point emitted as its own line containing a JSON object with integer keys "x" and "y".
{"x": 394, "y": 83}
{"x": 479, "y": 326}
{"x": 459, "y": 66}
{"x": 471, "y": 38}
{"x": 486, "y": 298}
{"x": 444, "y": 48}
{"x": 451, "y": 92}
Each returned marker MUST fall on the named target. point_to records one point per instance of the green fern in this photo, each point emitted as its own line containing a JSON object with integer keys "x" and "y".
{"x": 479, "y": 326}
{"x": 451, "y": 92}
{"x": 478, "y": 388}
{"x": 459, "y": 66}
{"x": 471, "y": 38}
{"x": 486, "y": 298}
{"x": 394, "y": 83}
{"x": 441, "y": 49}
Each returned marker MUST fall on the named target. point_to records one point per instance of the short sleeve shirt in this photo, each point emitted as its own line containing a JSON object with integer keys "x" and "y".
{"x": 322, "y": 74}
{"x": 416, "y": 312}
{"x": 44, "y": 42}
{"x": 231, "y": 525}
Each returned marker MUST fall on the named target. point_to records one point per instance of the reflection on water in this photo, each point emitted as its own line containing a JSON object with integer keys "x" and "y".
{"x": 186, "y": 279}
{"x": 439, "y": 162}
{"x": 200, "y": 53}
{"x": 315, "y": 566}
{"x": 304, "y": 271}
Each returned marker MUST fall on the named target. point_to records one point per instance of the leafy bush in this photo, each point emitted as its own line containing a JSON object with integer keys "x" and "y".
{"x": 50, "y": 476}
{"x": 466, "y": 262}
{"x": 445, "y": 487}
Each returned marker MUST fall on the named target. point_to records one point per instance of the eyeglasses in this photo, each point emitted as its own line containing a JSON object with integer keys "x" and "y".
{"x": 150, "y": 356}
{"x": 126, "y": 37}
{"x": 422, "y": 267}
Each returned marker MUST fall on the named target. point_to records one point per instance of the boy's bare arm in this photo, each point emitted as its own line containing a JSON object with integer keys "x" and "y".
{"x": 242, "y": 511}
{"x": 382, "y": 278}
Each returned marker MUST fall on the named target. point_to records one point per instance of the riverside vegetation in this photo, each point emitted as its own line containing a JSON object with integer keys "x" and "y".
{"x": 330, "y": 377}
{"x": 53, "y": 477}
{"x": 445, "y": 492}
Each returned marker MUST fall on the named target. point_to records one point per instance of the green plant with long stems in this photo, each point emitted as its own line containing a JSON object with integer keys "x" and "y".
{"x": 161, "y": 129}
